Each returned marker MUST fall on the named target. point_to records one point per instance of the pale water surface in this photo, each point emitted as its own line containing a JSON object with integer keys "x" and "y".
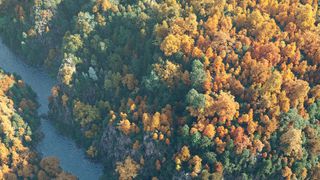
{"x": 71, "y": 157}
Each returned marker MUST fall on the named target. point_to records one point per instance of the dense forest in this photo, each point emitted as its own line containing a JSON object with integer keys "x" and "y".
{"x": 180, "y": 89}
{"x": 18, "y": 134}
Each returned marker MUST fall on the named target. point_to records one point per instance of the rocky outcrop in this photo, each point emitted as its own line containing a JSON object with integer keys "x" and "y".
{"x": 115, "y": 147}
{"x": 62, "y": 115}
{"x": 58, "y": 113}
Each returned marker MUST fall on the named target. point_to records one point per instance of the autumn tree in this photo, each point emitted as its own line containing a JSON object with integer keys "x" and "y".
{"x": 170, "y": 45}
{"x": 225, "y": 106}
{"x": 85, "y": 23}
{"x": 72, "y": 43}
{"x": 127, "y": 169}
{"x": 292, "y": 143}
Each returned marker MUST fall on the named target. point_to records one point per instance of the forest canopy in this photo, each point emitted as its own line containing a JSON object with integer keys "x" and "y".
{"x": 162, "y": 89}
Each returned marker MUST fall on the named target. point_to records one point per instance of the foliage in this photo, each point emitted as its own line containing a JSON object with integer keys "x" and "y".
{"x": 234, "y": 82}
{"x": 18, "y": 126}
{"x": 128, "y": 169}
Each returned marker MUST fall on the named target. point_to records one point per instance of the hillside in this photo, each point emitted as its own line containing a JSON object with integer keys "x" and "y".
{"x": 181, "y": 89}
{"x": 18, "y": 134}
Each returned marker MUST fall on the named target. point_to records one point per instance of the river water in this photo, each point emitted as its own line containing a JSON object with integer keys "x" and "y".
{"x": 72, "y": 158}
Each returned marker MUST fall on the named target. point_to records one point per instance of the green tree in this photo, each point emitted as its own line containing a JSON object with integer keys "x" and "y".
{"x": 195, "y": 99}
{"x": 85, "y": 23}
{"x": 198, "y": 74}
{"x": 72, "y": 43}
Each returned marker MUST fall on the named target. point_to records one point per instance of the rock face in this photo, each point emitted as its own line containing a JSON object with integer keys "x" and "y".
{"x": 60, "y": 114}
{"x": 115, "y": 147}
{"x": 181, "y": 176}
{"x": 57, "y": 112}
{"x": 150, "y": 149}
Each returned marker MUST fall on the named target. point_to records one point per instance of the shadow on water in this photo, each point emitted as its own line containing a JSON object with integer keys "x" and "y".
{"x": 71, "y": 157}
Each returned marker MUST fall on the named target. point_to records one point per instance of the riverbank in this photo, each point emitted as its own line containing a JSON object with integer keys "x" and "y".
{"x": 72, "y": 158}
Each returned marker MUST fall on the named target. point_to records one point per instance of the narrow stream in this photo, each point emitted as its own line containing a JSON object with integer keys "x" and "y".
{"x": 53, "y": 144}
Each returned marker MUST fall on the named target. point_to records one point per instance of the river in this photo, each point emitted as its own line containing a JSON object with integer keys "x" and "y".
{"x": 71, "y": 157}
